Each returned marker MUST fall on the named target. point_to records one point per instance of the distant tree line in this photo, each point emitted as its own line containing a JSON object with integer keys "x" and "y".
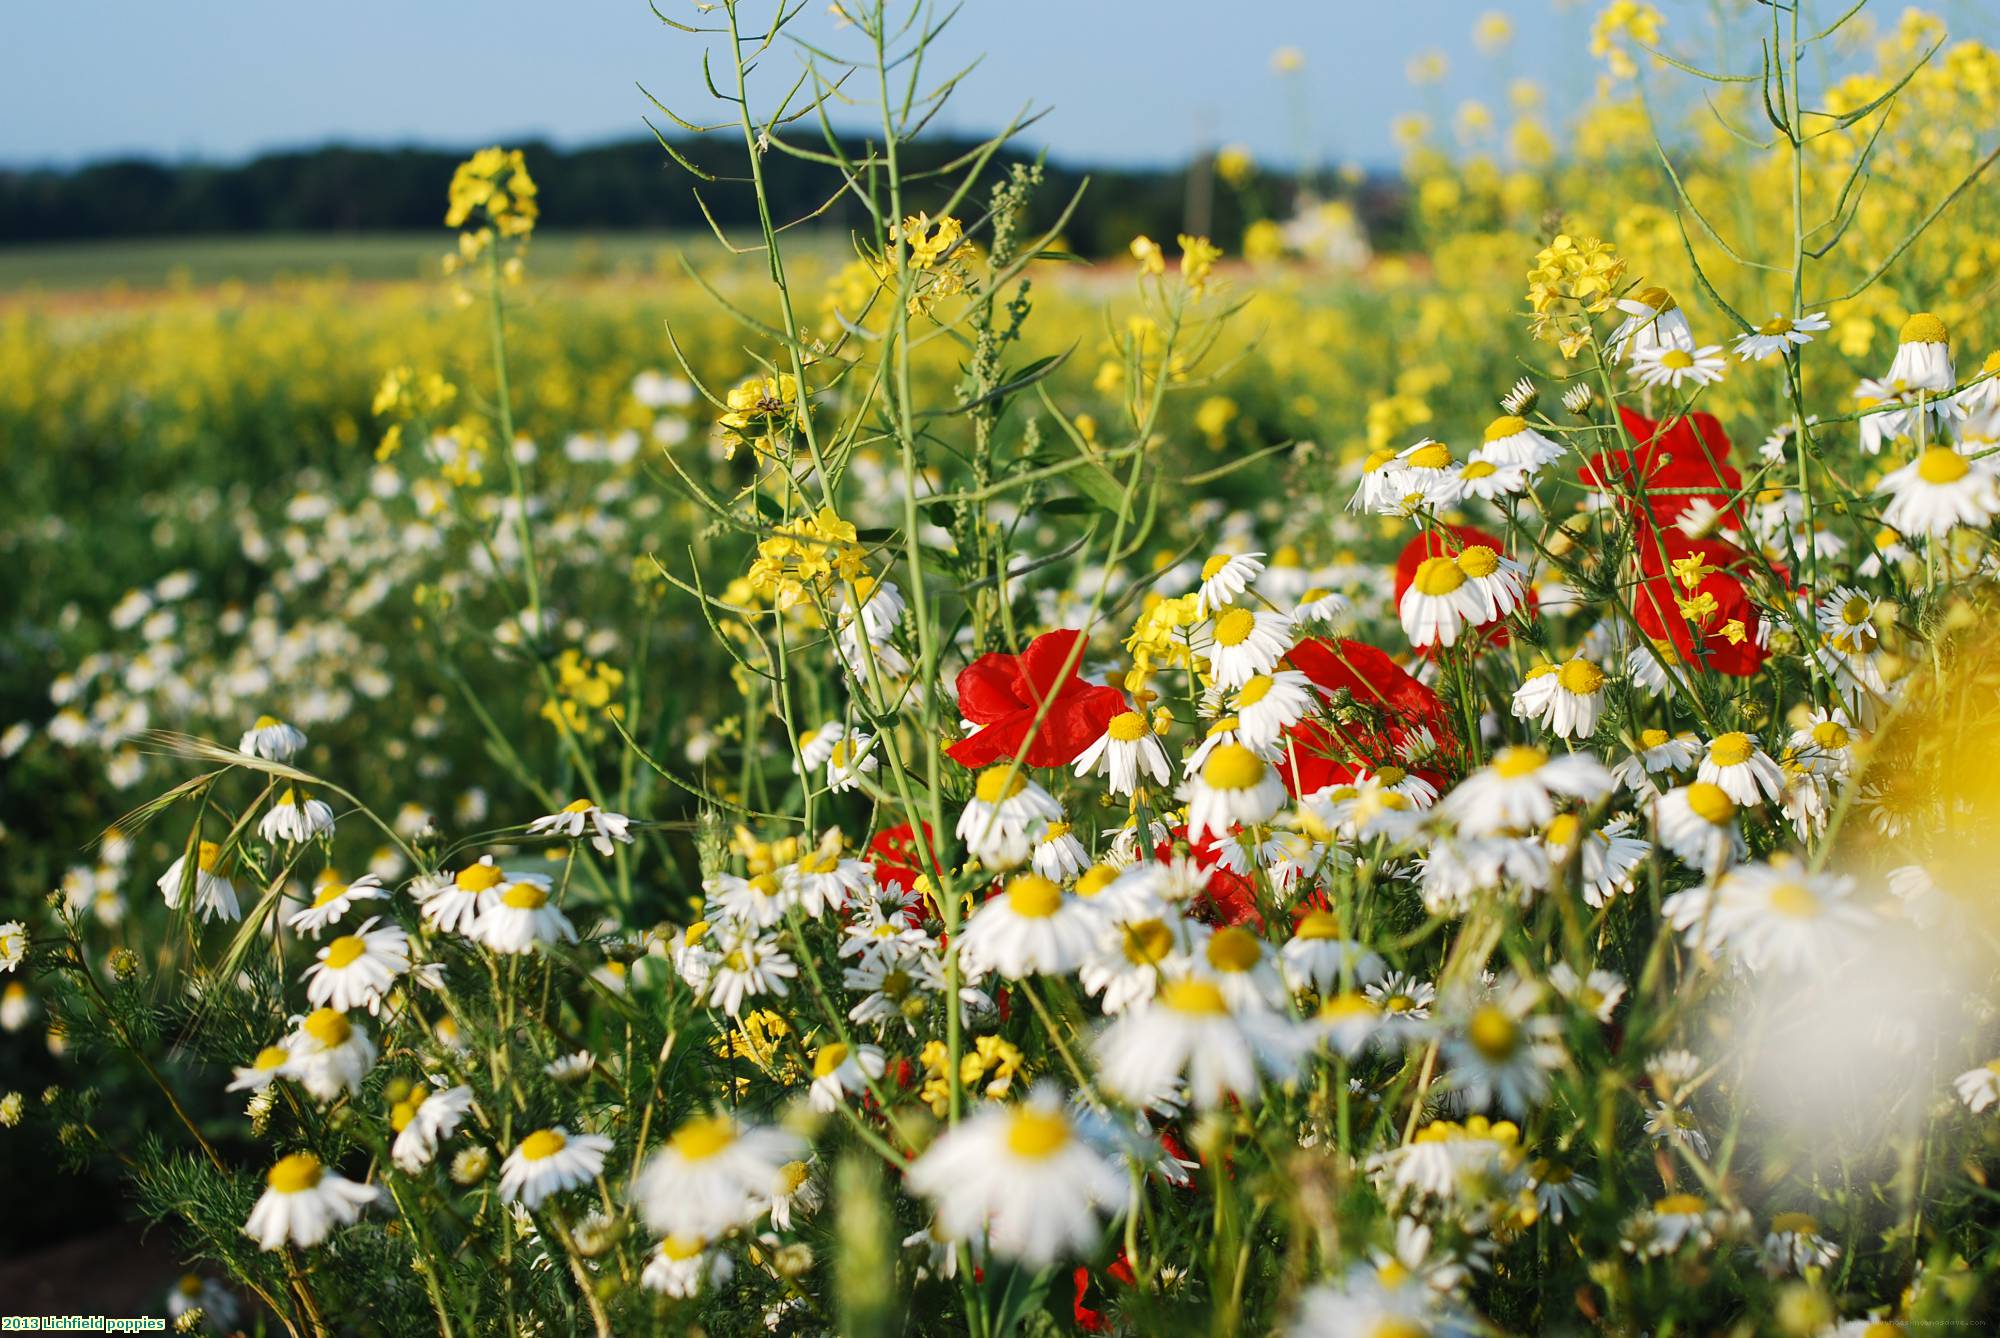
{"x": 631, "y": 184}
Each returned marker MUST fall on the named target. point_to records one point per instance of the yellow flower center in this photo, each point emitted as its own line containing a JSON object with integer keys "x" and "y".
{"x": 1346, "y": 1008}
{"x": 1033, "y": 897}
{"x": 344, "y": 951}
{"x": 272, "y": 1057}
{"x": 829, "y": 1058}
{"x": 578, "y": 806}
{"x": 524, "y": 897}
{"x": 207, "y": 855}
{"x": 1477, "y": 469}
{"x": 1254, "y": 691}
{"x": 1581, "y": 677}
{"x": 1507, "y": 425}
{"x": 1430, "y": 455}
{"x": 1127, "y": 727}
{"x": 999, "y": 784}
{"x": 541, "y": 1145}
{"x": 1148, "y": 942}
{"x": 1234, "y": 627}
{"x": 266, "y": 722}
{"x": 1777, "y": 325}
{"x": 1857, "y": 610}
{"x": 1830, "y": 734}
{"x": 329, "y": 891}
{"x": 1437, "y": 576}
{"x": 1231, "y": 766}
{"x": 1095, "y": 879}
{"x": 479, "y": 878}
{"x": 1653, "y": 738}
{"x": 1924, "y": 328}
{"x": 1395, "y": 1326}
{"x": 1659, "y": 299}
{"x": 791, "y": 1175}
{"x": 703, "y": 1137}
{"x": 1710, "y": 803}
{"x": 295, "y": 1174}
{"x": 1037, "y": 1134}
{"x": 1233, "y": 949}
{"x": 1521, "y": 760}
{"x": 1478, "y": 561}
{"x": 1493, "y": 1033}
{"x": 1797, "y": 1224}
{"x": 1213, "y": 567}
{"x": 1319, "y": 925}
{"x": 1941, "y": 465}
{"x": 1730, "y": 750}
{"x": 1680, "y": 1205}
{"x": 328, "y": 1026}
{"x": 1678, "y": 359}
{"x": 1882, "y": 1328}
{"x": 1199, "y": 997}
{"x": 1563, "y": 829}
{"x": 1795, "y": 900}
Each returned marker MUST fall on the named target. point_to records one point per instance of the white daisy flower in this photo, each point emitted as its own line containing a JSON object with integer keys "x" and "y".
{"x": 295, "y": 818}
{"x": 1567, "y": 700}
{"x": 815, "y": 746}
{"x": 521, "y": 919}
{"x": 1319, "y": 605}
{"x": 851, "y": 758}
{"x": 713, "y": 1175}
{"x": 1127, "y": 748}
{"x": 1979, "y": 1088}
{"x": 1780, "y": 334}
{"x": 1384, "y": 1302}
{"x": 1024, "y": 1177}
{"x": 1239, "y": 963}
{"x": 1939, "y": 489}
{"x": 580, "y": 814}
{"x": 1780, "y": 915}
{"x": 798, "y": 1191}
{"x": 272, "y": 1063}
{"x": 571, "y": 1067}
{"x": 333, "y": 899}
{"x": 452, "y": 903}
{"x": 1030, "y": 928}
{"x": 1224, "y": 577}
{"x": 881, "y": 606}
{"x": 1241, "y": 644}
{"x": 1006, "y": 810}
{"x": 1697, "y": 823}
{"x": 1923, "y": 356}
{"x": 271, "y": 739}
{"x": 759, "y": 901}
{"x": 423, "y": 1120}
{"x": 1319, "y": 956}
{"x": 1676, "y": 367}
{"x": 1489, "y": 481}
{"x": 214, "y": 895}
{"x": 1058, "y": 854}
{"x": 356, "y": 970}
{"x": 1405, "y": 1004}
{"x": 825, "y": 880}
{"x": 1517, "y": 791}
{"x": 1235, "y": 787}
{"x": 303, "y": 1201}
{"x": 549, "y": 1161}
{"x": 1501, "y": 1052}
{"x": 1188, "y": 1029}
{"x": 1659, "y": 753}
{"x": 1134, "y": 953}
{"x": 1744, "y": 771}
{"x": 1510, "y": 441}
{"x": 1609, "y": 855}
{"x": 840, "y": 1070}
{"x": 1269, "y": 704}
{"x": 680, "y": 1266}
{"x": 1598, "y": 993}
{"x": 745, "y": 965}
{"x": 330, "y": 1055}
{"x": 1349, "y": 1022}
{"x": 1795, "y": 1243}
{"x": 1653, "y": 322}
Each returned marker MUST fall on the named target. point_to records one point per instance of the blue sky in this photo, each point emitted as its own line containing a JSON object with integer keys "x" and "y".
{"x": 1133, "y": 81}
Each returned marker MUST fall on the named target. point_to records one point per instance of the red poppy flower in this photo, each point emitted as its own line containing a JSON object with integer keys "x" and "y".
{"x": 1429, "y": 544}
{"x": 1674, "y": 465}
{"x": 1003, "y": 693}
{"x": 1088, "y": 1319}
{"x": 1227, "y": 897}
{"x": 895, "y": 858}
{"x": 1703, "y": 634}
{"x": 1317, "y": 756}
